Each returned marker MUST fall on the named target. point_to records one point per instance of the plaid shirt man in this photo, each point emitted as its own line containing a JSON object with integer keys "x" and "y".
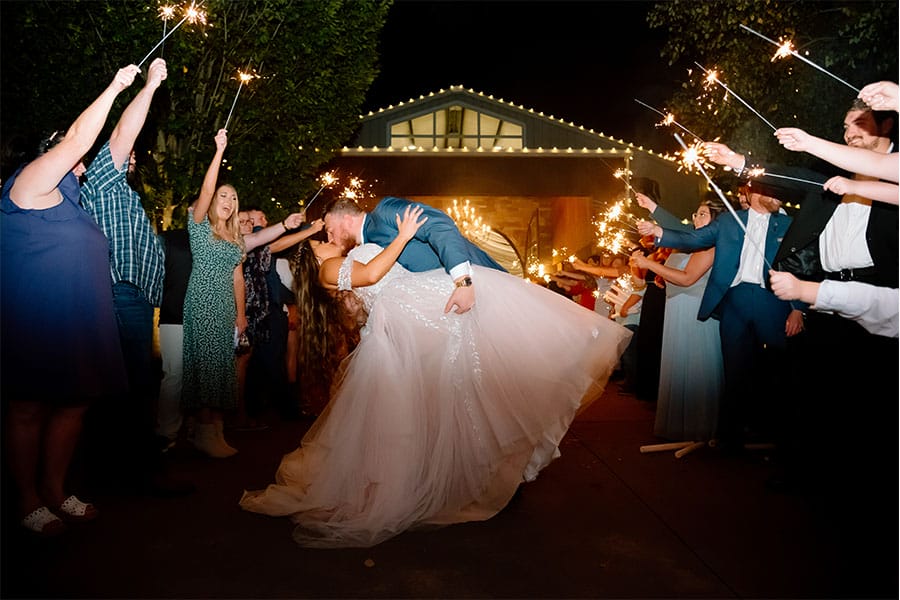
{"x": 136, "y": 255}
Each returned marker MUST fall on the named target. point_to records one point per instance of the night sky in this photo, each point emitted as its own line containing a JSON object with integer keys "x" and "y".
{"x": 557, "y": 57}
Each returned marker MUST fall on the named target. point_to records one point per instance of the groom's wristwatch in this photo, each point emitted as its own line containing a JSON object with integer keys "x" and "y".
{"x": 464, "y": 282}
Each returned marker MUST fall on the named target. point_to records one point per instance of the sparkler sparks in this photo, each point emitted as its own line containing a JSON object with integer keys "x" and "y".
{"x": 192, "y": 13}
{"x": 693, "y": 157}
{"x": 713, "y": 77}
{"x": 668, "y": 119}
{"x": 327, "y": 180}
{"x": 787, "y": 49}
{"x": 727, "y": 204}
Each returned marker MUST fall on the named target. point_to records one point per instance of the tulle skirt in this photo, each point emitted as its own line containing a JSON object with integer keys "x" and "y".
{"x": 437, "y": 419}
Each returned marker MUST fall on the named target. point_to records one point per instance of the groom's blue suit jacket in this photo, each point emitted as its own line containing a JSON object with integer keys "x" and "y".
{"x": 438, "y": 243}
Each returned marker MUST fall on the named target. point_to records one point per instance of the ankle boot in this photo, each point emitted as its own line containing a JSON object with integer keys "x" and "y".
{"x": 207, "y": 441}
{"x": 220, "y": 435}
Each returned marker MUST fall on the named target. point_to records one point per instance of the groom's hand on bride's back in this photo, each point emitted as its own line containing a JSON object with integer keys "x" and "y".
{"x": 461, "y": 300}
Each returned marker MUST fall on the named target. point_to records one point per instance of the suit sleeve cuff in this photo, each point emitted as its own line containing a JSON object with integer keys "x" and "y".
{"x": 461, "y": 270}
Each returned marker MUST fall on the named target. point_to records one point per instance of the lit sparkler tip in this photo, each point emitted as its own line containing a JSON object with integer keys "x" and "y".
{"x": 195, "y": 15}
{"x": 785, "y": 49}
{"x": 245, "y": 77}
{"x": 756, "y": 172}
{"x": 166, "y": 12}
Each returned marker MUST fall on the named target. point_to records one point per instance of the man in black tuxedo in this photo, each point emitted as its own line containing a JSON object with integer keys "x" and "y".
{"x": 844, "y": 387}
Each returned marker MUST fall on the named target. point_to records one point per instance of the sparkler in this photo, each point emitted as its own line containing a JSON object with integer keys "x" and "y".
{"x": 786, "y": 49}
{"x": 713, "y": 77}
{"x": 243, "y": 78}
{"x": 192, "y": 13}
{"x": 166, "y": 12}
{"x": 668, "y": 119}
{"x": 759, "y": 172}
{"x": 327, "y": 179}
{"x": 726, "y": 203}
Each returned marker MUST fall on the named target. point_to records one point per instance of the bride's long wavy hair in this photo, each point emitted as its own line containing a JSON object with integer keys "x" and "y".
{"x": 328, "y": 332}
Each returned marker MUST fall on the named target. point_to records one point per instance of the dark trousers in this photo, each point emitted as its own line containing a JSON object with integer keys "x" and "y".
{"x": 266, "y": 372}
{"x": 751, "y": 325}
{"x": 120, "y": 431}
{"x": 845, "y": 439}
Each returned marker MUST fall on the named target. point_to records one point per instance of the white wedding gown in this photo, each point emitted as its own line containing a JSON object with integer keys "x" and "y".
{"x": 437, "y": 418}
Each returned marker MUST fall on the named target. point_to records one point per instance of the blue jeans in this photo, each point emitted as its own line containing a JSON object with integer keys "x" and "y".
{"x": 137, "y": 413}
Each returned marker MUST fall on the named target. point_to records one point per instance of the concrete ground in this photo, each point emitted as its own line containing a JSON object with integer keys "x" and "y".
{"x": 602, "y": 521}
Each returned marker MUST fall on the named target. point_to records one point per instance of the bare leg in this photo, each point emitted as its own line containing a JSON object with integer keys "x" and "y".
{"x": 63, "y": 431}
{"x": 241, "y": 363}
{"x": 23, "y": 440}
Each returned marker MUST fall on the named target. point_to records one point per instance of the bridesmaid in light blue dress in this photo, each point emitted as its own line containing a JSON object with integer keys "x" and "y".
{"x": 690, "y": 379}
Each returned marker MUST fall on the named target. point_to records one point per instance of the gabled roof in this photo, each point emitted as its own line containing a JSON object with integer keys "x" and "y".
{"x": 544, "y": 134}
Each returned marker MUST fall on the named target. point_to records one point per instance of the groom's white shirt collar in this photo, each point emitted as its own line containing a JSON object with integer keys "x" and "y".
{"x": 362, "y": 229}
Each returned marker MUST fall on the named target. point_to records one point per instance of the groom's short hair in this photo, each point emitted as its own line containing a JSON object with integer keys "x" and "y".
{"x": 343, "y": 206}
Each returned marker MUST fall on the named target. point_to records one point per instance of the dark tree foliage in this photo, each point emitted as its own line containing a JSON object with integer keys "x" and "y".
{"x": 854, "y": 40}
{"x": 315, "y": 61}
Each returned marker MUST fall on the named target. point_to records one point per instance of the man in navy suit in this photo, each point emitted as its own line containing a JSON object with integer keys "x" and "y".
{"x": 754, "y": 323}
{"x": 437, "y": 244}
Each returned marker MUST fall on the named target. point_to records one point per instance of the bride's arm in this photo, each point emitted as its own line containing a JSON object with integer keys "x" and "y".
{"x": 361, "y": 274}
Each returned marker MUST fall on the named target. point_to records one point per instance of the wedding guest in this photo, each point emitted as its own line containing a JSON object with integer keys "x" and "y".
{"x": 873, "y": 307}
{"x": 690, "y": 380}
{"x": 276, "y": 367}
{"x": 60, "y": 349}
{"x": 177, "y": 250}
{"x": 435, "y": 418}
{"x": 127, "y": 425}
{"x": 627, "y": 312}
{"x": 214, "y": 315}
{"x": 838, "y": 238}
{"x": 753, "y": 322}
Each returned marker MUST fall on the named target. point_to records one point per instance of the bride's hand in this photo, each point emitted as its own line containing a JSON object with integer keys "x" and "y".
{"x": 409, "y": 224}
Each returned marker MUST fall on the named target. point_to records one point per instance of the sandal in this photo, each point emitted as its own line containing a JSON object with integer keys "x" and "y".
{"x": 73, "y": 509}
{"x": 43, "y": 522}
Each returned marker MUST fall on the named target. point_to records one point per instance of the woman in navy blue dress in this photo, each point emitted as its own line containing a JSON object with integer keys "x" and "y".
{"x": 60, "y": 340}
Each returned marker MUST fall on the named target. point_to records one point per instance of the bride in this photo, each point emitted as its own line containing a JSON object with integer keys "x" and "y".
{"x": 434, "y": 418}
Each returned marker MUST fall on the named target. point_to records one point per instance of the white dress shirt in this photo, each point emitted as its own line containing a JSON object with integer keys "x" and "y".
{"x": 751, "y": 266}
{"x": 874, "y": 307}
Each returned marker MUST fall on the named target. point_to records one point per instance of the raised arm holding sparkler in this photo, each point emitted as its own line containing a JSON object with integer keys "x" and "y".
{"x": 881, "y": 95}
{"x": 858, "y": 160}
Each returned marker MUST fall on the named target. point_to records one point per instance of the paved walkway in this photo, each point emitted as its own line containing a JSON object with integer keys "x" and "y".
{"x": 603, "y": 521}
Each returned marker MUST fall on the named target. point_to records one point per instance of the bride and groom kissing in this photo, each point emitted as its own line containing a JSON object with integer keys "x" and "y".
{"x": 445, "y": 406}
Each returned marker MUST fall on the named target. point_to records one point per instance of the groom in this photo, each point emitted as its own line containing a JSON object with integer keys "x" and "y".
{"x": 438, "y": 243}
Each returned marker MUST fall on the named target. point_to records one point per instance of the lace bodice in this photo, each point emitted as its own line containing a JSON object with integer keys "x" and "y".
{"x": 363, "y": 254}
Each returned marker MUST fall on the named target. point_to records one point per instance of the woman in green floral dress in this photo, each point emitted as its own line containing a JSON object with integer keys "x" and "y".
{"x": 214, "y": 309}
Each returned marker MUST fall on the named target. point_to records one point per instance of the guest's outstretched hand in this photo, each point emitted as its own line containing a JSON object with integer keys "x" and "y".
{"x": 784, "y": 285}
{"x": 644, "y": 201}
{"x": 722, "y": 155}
{"x": 881, "y": 95}
{"x": 648, "y": 228}
{"x": 793, "y": 139}
{"x": 222, "y": 139}
{"x": 293, "y": 220}
{"x": 156, "y": 73}
{"x": 840, "y": 185}
{"x": 125, "y": 77}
